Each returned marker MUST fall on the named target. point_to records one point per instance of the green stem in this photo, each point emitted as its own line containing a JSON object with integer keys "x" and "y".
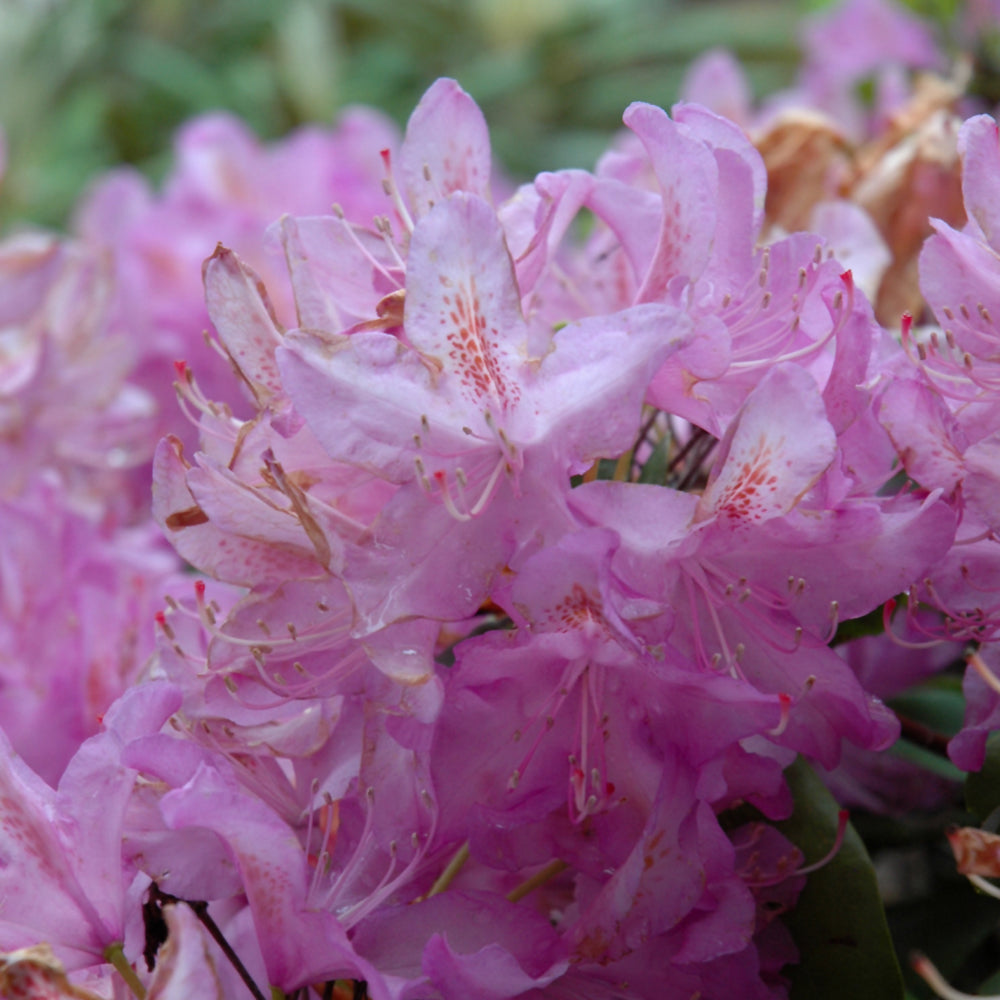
{"x": 453, "y": 868}
{"x": 539, "y": 878}
{"x": 114, "y": 954}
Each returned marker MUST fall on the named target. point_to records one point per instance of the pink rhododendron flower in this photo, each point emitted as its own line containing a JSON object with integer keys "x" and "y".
{"x": 225, "y": 186}
{"x": 66, "y": 399}
{"x": 523, "y": 557}
{"x": 71, "y": 641}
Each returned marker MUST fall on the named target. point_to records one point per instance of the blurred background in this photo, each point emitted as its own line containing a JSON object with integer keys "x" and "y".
{"x": 87, "y": 84}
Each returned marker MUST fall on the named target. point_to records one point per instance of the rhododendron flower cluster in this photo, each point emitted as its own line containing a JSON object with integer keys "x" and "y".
{"x": 517, "y": 535}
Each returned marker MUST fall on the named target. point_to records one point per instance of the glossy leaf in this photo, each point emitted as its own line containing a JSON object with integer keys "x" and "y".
{"x": 982, "y": 789}
{"x": 839, "y": 924}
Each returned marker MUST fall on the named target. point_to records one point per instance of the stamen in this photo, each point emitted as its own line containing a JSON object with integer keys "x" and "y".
{"x": 785, "y": 703}
{"x": 979, "y": 665}
{"x": 927, "y": 971}
{"x": 834, "y": 621}
{"x": 761, "y": 880}
{"x": 552, "y": 869}
{"x": 161, "y": 620}
{"x": 983, "y": 886}
{"x": 389, "y": 186}
{"x": 451, "y": 870}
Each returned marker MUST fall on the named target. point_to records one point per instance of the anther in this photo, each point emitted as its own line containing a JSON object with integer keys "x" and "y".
{"x": 785, "y": 704}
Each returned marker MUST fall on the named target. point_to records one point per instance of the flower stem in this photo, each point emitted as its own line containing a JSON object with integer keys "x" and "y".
{"x": 114, "y": 954}
{"x": 552, "y": 869}
{"x": 200, "y": 908}
{"x": 452, "y": 869}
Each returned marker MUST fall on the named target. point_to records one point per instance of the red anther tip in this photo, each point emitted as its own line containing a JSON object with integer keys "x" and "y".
{"x": 160, "y": 618}
{"x": 785, "y": 699}
{"x": 180, "y": 367}
{"x": 386, "y": 156}
{"x": 847, "y": 277}
{"x": 199, "y": 588}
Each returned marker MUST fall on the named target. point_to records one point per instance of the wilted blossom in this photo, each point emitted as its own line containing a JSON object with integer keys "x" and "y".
{"x": 867, "y": 174}
{"x": 519, "y": 561}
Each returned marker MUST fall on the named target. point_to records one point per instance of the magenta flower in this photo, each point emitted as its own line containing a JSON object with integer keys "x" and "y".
{"x": 225, "y": 186}
{"x": 472, "y": 412}
{"x": 65, "y": 881}
{"x": 73, "y": 641}
{"x": 67, "y": 403}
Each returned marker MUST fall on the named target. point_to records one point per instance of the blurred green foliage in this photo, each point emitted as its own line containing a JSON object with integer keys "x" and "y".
{"x": 87, "y": 84}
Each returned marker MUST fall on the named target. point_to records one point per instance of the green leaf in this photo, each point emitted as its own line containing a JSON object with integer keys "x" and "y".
{"x": 655, "y": 469}
{"x": 838, "y": 924}
{"x": 928, "y": 760}
{"x": 938, "y": 703}
{"x": 982, "y": 789}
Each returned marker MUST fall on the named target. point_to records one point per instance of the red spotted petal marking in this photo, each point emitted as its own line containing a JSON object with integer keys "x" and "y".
{"x": 751, "y": 493}
{"x": 473, "y": 344}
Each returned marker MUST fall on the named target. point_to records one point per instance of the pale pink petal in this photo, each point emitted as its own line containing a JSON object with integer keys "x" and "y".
{"x": 462, "y": 304}
{"x": 688, "y": 177}
{"x": 229, "y": 557}
{"x": 340, "y": 272}
{"x": 716, "y": 80}
{"x": 979, "y": 147}
{"x": 777, "y": 448}
{"x": 446, "y": 148}
{"x": 244, "y": 319}
{"x": 185, "y": 965}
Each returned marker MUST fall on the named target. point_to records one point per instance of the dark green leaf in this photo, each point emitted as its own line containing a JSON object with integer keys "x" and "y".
{"x": 982, "y": 789}
{"x": 938, "y": 703}
{"x": 839, "y": 923}
{"x": 655, "y": 469}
